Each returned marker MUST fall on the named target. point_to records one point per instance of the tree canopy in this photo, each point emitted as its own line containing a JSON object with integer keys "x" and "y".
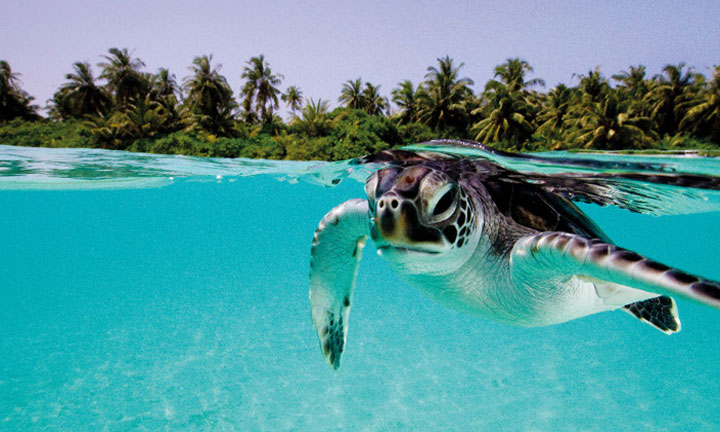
{"x": 14, "y": 101}
{"x": 126, "y": 107}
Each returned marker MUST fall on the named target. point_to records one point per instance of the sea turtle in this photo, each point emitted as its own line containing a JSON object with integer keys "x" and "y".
{"x": 487, "y": 240}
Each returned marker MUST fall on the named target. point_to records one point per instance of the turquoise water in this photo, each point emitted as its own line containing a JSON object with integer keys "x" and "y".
{"x": 170, "y": 293}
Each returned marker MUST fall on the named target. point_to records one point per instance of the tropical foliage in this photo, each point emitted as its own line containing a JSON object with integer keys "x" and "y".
{"x": 14, "y": 101}
{"x": 409, "y": 100}
{"x": 124, "y": 80}
{"x": 80, "y": 96}
{"x": 449, "y": 99}
{"x": 293, "y": 97}
{"x": 128, "y": 108}
{"x": 260, "y": 92}
{"x": 209, "y": 104}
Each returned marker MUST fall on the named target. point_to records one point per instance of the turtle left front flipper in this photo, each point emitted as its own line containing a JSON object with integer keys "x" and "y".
{"x": 334, "y": 258}
{"x": 560, "y": 256}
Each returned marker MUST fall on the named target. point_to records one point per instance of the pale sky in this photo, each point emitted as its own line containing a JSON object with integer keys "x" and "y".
{"x": 319, "y": 45}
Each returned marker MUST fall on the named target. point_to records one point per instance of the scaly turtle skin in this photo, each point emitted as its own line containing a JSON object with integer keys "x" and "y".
{"x": 486, "y": 240}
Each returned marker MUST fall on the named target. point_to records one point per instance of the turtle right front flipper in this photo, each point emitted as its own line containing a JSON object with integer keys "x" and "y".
{"x": 334, "y": 258}
{"x": 559, "y": 255}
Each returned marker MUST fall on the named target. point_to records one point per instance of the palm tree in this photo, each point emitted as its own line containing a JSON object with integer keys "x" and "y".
{"x": 554, "y": 111}
{"x": 80, "y": 96}
{"x": 293, "y": 98}
{"x": 509, "y": 107}
{"x": 106, "y": 130}
{"x": 667, "y": 94}
{"x": 632, "y": 87}
{"x": 703, "y": 111}
{"x": 209, "y": 96}
{"x": 351, "y": 94}
{"x": 8, "y": 78}
{"x": 164, "y": 89}
{"x": 447, "y": 96}
{"x": 164, "y": 84}
{"x": 512, "y": 73}
{"x": 124, "y": 79}
{"x": 144, "y": 119}
{"x": 508, "y": 119}
{"x": 260, "y": 88}
{"x": 14, "y": 101}
{"x": 410, "y": 99}
{"x": 314, "y": 120}
{"x": 374, "y": 103}
{"x": 222, "y": 123}
{"x": 608, "y": 126}
{"x": 9, "y": 83}
{"x": 633, "y": 81}
{"x": 593, "y": 86}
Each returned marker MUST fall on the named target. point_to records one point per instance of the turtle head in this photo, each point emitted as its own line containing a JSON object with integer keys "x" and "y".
{"x": 422, "y": 219}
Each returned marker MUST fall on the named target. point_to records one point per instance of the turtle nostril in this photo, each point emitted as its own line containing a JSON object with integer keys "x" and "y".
{"x": 381, "y": 204}
{"x": 394, "y": 203}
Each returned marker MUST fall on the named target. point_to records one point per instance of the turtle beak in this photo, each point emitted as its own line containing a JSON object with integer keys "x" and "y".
{"x": 397, "y": 223}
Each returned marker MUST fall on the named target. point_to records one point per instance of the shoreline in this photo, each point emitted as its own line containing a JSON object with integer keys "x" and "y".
{"x": 369, "y": 135}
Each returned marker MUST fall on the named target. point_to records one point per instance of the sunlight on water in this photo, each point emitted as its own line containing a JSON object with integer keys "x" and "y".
{"x": 149, "y": 292}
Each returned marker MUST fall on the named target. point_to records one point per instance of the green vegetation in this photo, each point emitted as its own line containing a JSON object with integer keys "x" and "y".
{"x": 14, "y": 102}
{"x": 127, "y": 108}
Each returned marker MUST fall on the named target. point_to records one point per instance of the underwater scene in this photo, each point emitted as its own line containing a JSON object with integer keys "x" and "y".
{"x": 154, "y": 292}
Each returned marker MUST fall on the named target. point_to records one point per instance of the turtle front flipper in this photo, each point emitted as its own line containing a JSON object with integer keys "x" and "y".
{"x": 334, "y": 258}
{"x": 559, "y": 256}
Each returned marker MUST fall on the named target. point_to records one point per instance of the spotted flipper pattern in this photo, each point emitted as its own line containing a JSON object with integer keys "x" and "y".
{"x": 660, "y": 312}
{"x": 334, "y": 258}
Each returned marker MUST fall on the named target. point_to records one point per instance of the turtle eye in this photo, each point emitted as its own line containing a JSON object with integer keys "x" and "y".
{"x": 444, "y": 206}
